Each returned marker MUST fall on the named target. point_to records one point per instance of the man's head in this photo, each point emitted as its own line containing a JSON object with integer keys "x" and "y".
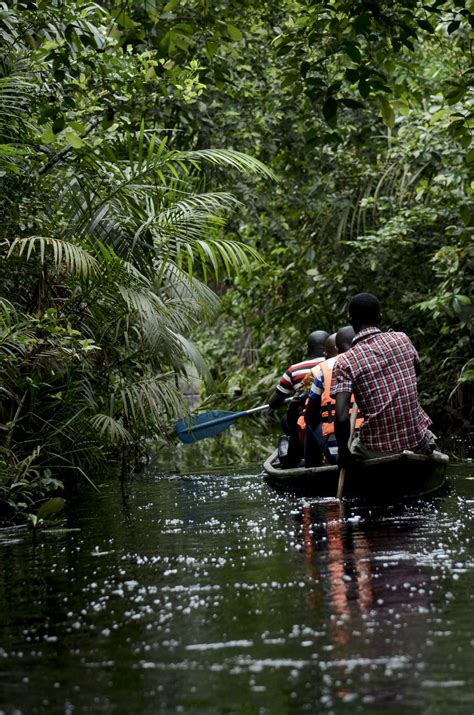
{"x": 330, "y": 349}
{"x": 344, "y": 338}
{"x": 364, "y": 311}
{"x": 316, "y": 343}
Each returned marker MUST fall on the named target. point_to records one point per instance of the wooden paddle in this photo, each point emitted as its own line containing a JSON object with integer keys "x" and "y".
{"x": 342, "y": 473}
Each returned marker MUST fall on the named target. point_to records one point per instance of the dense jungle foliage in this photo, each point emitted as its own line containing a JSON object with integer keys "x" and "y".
{"x": 155, "y": 156}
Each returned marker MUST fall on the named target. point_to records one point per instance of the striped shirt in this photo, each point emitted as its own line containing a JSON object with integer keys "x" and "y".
{"x": 380, "y": 370}
{"x": 317, "y": 388}
{"x": 292, "y": 378}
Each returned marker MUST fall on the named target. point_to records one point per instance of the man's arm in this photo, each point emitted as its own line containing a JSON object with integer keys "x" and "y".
{"x": 341, "y": 390}
{"x": 416, "y": 359}
{"x": 277, "y": 399}
{"x": 312, "y": 412}
{"x": 342, "y": 427}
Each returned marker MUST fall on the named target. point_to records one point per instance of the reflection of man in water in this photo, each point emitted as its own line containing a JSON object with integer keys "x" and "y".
{"x": 380, "y": 369}
{"x": 364, "y": 569}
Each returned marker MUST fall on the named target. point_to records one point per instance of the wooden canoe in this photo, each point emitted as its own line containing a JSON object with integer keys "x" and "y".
{"x": 392, "y": 479}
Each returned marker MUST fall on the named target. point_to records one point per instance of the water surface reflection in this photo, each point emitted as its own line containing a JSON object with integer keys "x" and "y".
{"x": 212, "y": 592}
{"x": 376, "y": 591}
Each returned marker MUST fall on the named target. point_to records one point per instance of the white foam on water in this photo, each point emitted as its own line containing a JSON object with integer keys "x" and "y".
{"x": 220, "y": 646}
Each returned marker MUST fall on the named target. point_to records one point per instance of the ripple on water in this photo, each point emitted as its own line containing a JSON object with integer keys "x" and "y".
{"x": 237, "y": 594}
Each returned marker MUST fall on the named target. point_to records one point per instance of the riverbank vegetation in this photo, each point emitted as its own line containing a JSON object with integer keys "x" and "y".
{"x": 159, "y": 157}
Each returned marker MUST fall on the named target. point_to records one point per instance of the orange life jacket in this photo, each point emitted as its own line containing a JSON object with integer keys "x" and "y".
{"x": 327, "y": 405}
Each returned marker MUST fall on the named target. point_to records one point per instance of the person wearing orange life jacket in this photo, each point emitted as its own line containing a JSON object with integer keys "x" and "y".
{"x": 290, "y": 385}
{"x": 330, "y": 351}
{"x": 296, "y": 446}
{"x": 320, "y": 440}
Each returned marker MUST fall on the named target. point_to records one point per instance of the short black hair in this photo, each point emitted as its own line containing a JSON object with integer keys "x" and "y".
{"x": 364, "y": 309}
{"x": 316, "y": 342}
{"x": 344, "y": 338}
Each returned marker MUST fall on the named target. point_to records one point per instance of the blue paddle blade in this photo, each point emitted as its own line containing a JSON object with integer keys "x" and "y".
{"x": 207, "y": 424}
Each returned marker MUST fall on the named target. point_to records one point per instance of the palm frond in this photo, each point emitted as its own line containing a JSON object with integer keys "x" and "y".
{"x": 156, "y": 398}
{"x": 15, "y": 93}
{"x": 197, "y": 360}
{"x": 195, "y": 296}
{"x": 226, "y": 157}
{"x": 111, "y": 430}
{"x": 74, "y": 259}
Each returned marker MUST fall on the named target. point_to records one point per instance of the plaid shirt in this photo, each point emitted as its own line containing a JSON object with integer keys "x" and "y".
{"x": 380, "y": 370}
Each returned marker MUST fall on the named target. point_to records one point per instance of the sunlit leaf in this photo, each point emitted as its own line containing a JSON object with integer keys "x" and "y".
{"x": 50, "y": 507}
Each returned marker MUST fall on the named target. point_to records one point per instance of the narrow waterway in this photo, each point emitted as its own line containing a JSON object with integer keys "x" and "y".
{"x": 210, "y": 592}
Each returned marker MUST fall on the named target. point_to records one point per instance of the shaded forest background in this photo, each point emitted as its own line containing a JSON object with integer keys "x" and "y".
{"x": 158, "y": 156}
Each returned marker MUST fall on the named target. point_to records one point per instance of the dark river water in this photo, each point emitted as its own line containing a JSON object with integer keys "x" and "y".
{"x": 210, "y": 592}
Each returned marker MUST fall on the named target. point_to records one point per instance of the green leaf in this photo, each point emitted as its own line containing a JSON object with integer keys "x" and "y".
{"x": 330, "y": 109}
{"x": 425, "y": 25}
{"x": 52, "y": 506}
{"x": 362, "y": 23}
{"x": 440, "y": 114}
{"x": 58, "y": 125}
{"x": 233, "y": 32}
{"x": 388, "y": 115}
{"x": 48, "y": 136}
{"x": 50, "y": 45}
{"x": 352, "y": 75}
{"x": 73, "y": 139}
{"x": 185, "y": 28}
{"x": 170, "y": 5}
{"x": 455, "y": 96}
{"x": 289, "y": 79}
{"x": 122, "y": 19}
{"x": 211, "y": 49}
{"x": 352, "y": 49}
{"x": 465, "y": 215}
{"x": 8, "y": 150}
{"x": 408, "y": 43}
{"x": 470, "y": 156}
{"x": 351, "y": 103}
{"x": 304, "y": 67}
{"x": 364, "y": 88}
{"x": 78, "y": 127}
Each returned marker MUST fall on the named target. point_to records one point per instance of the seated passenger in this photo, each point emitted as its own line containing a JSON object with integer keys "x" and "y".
{"x": 320, "y": 440}
{"x": 289, "y": 385}
{"x": 380, "y": 369}
{"x": 330, "y": 351}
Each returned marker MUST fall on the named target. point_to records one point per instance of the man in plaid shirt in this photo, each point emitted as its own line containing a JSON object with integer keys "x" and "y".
{"x": 380, "y": 369}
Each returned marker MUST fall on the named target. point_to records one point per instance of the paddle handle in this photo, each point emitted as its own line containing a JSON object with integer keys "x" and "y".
{"x": 342, "y": 473}
{"x": 255, "y": 409}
